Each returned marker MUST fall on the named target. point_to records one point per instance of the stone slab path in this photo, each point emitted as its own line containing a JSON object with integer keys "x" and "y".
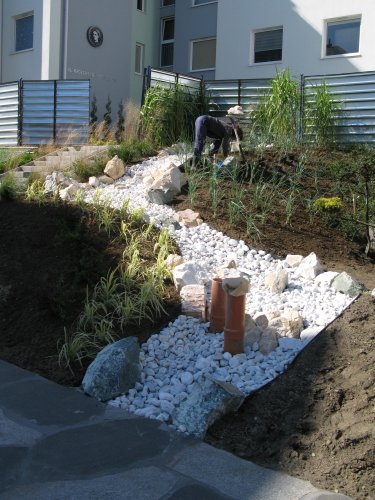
{"x": 56, "y": 443}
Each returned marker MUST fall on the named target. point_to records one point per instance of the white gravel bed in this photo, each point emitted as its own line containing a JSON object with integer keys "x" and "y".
{"x": 184, "y": 353}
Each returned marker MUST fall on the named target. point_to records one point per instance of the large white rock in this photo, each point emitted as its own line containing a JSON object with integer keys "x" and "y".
{"x": 276, "y": 281}
{"x": 189, "y": 273}
{"x": 289, "y": 324}
{"x": 68, "y": 193}
{"x": 188, "y": 218}
{"x": 268, "y": 341}
{"x": 173, "y": 260}
{"x": 115, "y": 168}
{"x": 326, "y": 278}
{"x": 252, "y": 331}
{"x": 293, "y": 260}
{"x": 169, "y": 178}
{"x": 309, "y": 267}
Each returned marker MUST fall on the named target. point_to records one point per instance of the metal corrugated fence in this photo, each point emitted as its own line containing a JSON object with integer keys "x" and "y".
{"x": 9, "y": 105}
{"x": 37, "y": 112}
{"x": 355, "y": 94}
{"x": 152, "y": 77}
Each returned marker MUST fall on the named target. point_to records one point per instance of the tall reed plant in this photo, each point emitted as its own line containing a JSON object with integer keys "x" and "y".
{"x": 168, "y": 113}
{"x": 321, "y": 115}
{"x": 275, "y": 118}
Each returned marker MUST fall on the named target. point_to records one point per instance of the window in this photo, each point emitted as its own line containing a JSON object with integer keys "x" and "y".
{"x": 342, "y": 37}
{"x": 202, "y": 2}
{"x": 139, "y": 57}
{"x": 167, "y": 42}
{"x": 203, "y": 54}
{"x": 165, "y": 3}
{"x": 141, "y": 5}
{"x": 268, "y": 45}
{"x": 24, "y": 32}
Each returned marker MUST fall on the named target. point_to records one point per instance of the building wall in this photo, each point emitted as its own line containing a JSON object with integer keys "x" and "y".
{"x": 303, "y": 26}
{"x": 108, "y": 65}
{"x": 26, "y": 64}
{"x": 145, "y": 26}
{"x": 191, "y": 23}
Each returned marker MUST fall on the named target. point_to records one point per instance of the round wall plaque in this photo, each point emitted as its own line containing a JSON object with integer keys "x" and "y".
{"x": 95, "y": 36}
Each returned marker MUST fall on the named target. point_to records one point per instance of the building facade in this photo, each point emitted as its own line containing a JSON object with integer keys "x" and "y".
{"x": 311, "y": 37}
{"x": 110, "y": 42}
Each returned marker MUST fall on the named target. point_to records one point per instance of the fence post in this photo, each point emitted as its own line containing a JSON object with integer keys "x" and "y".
{"x": 301, "y": 108}
{"x": 239, "y": 92}
{"x": 144, "y": 86}
{"x": 20, "y": 112}
{"x": 54, "y": 109}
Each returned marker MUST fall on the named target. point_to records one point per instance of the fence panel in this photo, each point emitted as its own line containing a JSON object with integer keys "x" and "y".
{"x": 355, "y": 93}
{"x": 9, "y": 105}
{"x": 72, "y": 111}
{"x": 225, "y": 94}
{"x": 37, "y": 112}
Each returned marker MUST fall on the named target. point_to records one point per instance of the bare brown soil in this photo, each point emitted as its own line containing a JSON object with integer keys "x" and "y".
{"x": 317, "y": 420}
{"x": 49, "y": 255}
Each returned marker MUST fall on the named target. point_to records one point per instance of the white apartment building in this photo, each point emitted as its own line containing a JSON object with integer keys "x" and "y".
{"x": 109, "y": 42}
{"x": 312, "y": 37}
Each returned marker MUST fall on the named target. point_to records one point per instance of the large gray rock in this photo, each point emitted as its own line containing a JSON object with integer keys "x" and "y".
{"x": 161, "y": 196}
{"x": 114, "y": 371}
{"x": 206, "y": 403}
{"x": 346, "y": 284}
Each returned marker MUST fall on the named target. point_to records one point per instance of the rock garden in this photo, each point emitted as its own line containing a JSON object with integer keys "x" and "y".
{"x": 112, "y": 276}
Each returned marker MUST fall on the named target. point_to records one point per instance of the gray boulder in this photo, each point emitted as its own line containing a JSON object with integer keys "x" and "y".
{"x": 206, "y": 403}
{"x": 114, "y": 371}
{"x": 161, "y": 196}
{"x": 346, "y": 284}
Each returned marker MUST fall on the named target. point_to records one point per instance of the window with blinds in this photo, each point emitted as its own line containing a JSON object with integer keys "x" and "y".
{"x": 268, "y": 45}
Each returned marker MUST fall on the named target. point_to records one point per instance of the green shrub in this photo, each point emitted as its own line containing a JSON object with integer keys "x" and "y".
{"x": 8, "y": 188}
{"x": 15, "y": 161}
{"x": 132, "y": 150}
{"x": 333, "y": 204}
{"x": 169, "y": 113}
{"x": 83, "y": 169}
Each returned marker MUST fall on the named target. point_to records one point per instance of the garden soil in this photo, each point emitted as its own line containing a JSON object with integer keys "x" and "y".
{"x": 315, "y": 421}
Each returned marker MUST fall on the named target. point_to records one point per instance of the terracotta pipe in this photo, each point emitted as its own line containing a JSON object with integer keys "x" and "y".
{"x": 234, "y": 330}
{"x": 218, "y": 301}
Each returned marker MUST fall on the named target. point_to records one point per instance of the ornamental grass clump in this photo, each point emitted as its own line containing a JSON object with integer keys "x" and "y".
{"x": 132, "y": 292}
{"x": 275, "y": 117}
{"x": 321, "y": 115}
{"x": 168, "y": 113}
{"x": 8, "y": 188}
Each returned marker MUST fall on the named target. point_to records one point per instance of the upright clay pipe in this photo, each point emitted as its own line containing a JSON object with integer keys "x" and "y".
{"x": 234, "y": 329}
{"x": 218, "y": 301}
